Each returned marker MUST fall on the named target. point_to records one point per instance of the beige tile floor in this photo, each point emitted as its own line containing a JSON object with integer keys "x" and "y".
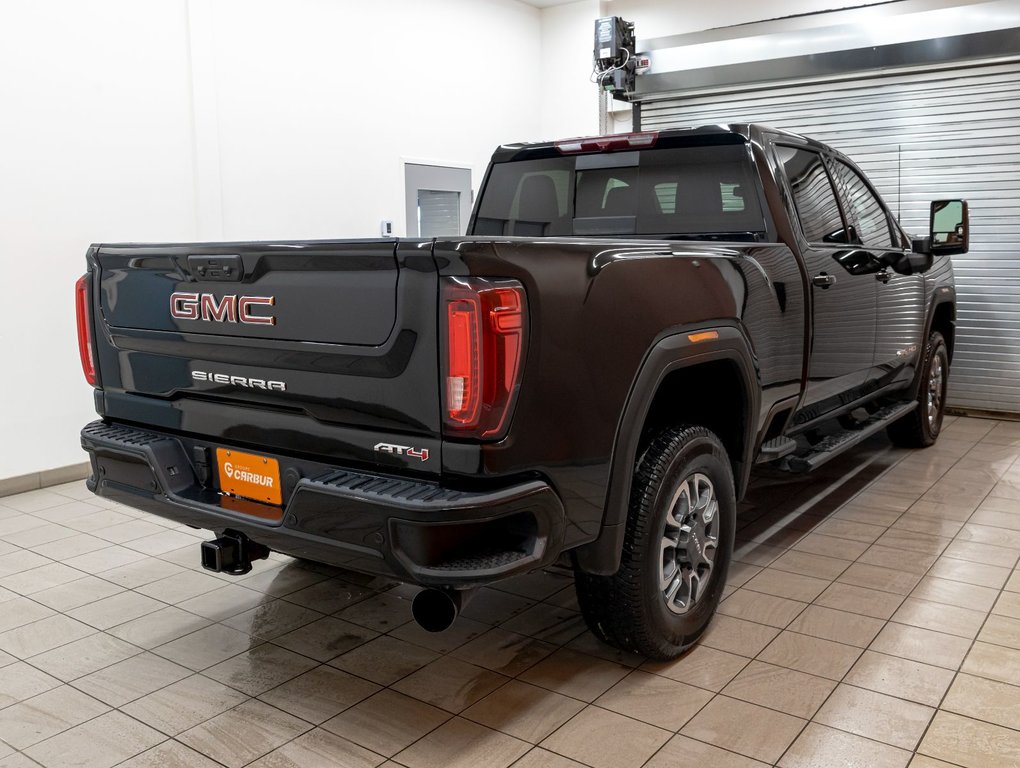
{"x": 872, "y": 619}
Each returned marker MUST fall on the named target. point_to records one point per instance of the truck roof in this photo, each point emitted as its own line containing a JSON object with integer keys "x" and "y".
{"x": 733, "y": 133}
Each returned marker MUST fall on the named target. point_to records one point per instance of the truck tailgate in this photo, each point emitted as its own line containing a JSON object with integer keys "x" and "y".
{"x": 323, "y": 347}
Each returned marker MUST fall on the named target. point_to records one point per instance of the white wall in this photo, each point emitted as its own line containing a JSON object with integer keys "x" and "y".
{"x": 95, "y": 144}
{"x": 316, "y": 109}
{"x": 569, "y": 101}
{"x": 177, "y": 120}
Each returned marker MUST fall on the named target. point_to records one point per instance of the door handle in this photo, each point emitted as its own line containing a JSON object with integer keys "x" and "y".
{"x": 823, "y": 280}
{"x": 884, "y": 276}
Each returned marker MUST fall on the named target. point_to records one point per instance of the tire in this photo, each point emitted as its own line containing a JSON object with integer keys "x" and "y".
{"x": 920, "y": 428}
{"x": 646, "y": 606}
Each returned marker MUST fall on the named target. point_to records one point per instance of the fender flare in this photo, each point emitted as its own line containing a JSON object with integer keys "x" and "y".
{"x": 671, "y": 352}
{"x": 943, "y": 295}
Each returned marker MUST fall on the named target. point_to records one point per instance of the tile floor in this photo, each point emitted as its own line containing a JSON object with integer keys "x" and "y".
{"x": 872, "y": 619}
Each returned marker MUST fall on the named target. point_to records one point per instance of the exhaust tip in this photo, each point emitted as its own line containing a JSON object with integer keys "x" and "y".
{"x": 435, "y": 609}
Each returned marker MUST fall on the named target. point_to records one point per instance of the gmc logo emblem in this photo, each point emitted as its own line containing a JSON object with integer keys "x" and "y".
{"x": 226, "y": 309}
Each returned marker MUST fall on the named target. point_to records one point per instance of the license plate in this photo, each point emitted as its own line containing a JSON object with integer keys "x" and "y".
{"x": 249, "y": 476}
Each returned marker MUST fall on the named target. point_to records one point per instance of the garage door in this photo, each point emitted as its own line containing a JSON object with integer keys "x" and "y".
{"x": 953, "y": 133}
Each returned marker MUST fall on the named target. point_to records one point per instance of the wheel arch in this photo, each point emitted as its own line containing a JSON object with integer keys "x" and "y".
{"x": 941, "y": 317}
{"x": 686, "y": 361}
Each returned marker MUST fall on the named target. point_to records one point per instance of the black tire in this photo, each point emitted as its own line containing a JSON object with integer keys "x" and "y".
{"x": 920, "y": 428}
{"x": 631, "y": 609}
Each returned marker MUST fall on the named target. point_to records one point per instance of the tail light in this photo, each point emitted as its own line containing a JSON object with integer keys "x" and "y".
{"x": 484, "y": 322}
{"x": 85, "y": 348}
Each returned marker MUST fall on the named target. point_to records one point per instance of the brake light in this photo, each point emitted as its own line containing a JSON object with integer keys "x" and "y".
{"x": 484, "y": 345}
{"x": 85, "y": 349}
{"x": 463, "y": 374}
{"x": 641, "y": 140}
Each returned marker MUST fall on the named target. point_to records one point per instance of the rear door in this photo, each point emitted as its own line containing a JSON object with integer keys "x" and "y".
{"x": 843, "y": 300}
{"x": 322, "y": 348}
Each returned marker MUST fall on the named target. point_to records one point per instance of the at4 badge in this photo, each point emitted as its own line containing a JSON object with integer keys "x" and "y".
{"x": 403, "y": 450}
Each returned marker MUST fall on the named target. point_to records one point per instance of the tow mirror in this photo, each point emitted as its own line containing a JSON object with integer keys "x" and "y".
{"x": 949, "y": 227}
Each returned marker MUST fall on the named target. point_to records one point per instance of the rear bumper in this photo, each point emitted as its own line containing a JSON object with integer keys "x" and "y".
{"x": 417, "y": 530}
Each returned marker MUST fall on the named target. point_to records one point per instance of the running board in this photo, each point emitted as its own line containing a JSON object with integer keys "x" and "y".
{"x": 833, "y": 445}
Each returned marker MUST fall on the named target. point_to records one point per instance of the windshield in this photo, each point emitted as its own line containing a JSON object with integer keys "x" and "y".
{"x": 706, "y": 191}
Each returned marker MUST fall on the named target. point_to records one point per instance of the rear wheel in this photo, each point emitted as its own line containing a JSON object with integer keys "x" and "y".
{"x": 920, "y": 428}
{"x": 676, "y": 551}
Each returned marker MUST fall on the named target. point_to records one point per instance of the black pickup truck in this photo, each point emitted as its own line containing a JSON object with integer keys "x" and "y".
{"x": 631, "y": 324}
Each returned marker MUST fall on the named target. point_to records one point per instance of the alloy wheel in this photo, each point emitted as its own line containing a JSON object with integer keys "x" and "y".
{"x": 690, "y": 538}
{"x": 935, "y": 383}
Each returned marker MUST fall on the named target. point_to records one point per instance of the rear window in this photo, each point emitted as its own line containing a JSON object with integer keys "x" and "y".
{"x": 688, "y": 191}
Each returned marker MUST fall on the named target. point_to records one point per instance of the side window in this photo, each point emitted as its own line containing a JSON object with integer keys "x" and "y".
{"x": 866, "y": 211}
{"x": 813, "y": 195}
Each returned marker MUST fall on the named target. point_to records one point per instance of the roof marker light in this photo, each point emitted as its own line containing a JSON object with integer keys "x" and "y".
{"x": 641, "y": 140}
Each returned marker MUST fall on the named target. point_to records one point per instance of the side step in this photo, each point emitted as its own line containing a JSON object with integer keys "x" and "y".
{"x": 833, "y": 445}
{"x": 776, "y": 448}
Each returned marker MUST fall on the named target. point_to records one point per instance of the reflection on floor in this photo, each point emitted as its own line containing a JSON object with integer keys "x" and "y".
{"x": 872, "y": 619}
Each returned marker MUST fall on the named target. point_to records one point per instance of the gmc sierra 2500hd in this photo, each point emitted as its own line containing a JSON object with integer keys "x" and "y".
{"x": 632, "y": 323}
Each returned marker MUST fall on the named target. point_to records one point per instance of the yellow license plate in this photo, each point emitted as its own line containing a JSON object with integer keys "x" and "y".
{"x": 249, "y": 476}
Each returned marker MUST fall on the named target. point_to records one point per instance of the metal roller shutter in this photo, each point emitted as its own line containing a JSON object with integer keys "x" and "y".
{"x": 956, "y": 133}
{"x": 438, "y": 213}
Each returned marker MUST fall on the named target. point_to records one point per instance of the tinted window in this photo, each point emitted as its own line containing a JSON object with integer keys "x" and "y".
{"x": 813, "y": 195}
{"x": 683, "y": 191}
{"x": 869, "y": 217}
{"x": 531, "y": 201}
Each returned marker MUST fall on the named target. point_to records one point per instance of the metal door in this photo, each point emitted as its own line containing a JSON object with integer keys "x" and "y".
{"x": 437, "y": 200}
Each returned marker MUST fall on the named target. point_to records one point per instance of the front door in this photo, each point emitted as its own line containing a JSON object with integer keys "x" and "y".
{"x": 900, "y": 308}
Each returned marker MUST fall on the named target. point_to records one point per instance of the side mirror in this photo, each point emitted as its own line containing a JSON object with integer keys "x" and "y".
{"x": 949, "y": 228}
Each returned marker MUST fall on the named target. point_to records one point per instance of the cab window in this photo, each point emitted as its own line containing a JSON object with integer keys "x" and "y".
{"x": 669, "y": 192}
{"x": 869, "y": 217}
{"x": 813, "y": 195}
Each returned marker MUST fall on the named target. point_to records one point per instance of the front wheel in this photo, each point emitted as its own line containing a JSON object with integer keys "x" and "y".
{"x": 676, "y": 551}
{"x": 920, "y": 428}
